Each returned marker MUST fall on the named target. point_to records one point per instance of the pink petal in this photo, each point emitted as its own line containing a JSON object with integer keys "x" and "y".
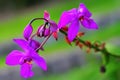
{"x": 82, "y": 10}
{"x": 47, "y": 32}
{"x": 40, "y": 31}
{"x": 28, "y": 31}
{"x": 22, "y": 43}
{"x": 73, "y": 30}
{"x": 39, "y": 61}
{"x": 34, "y": 44}
{"x": 53, "y": 26}
{"x": 13, "y": 58}
{"x": 46, "y": 15}
{"x": 67, "y": 17}
{"x": 89, "y": 24}
{"x": 26, "y": 70}
{"x": 55, "y": 35}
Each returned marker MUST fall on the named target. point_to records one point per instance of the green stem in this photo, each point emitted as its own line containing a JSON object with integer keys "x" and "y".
{"x": 104, "y": 50}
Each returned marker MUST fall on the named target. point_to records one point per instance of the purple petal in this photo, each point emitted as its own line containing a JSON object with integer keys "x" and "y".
{"x": 34, "y": 44}
{"x": 82, "y": 10}
{"x": 47, "y": 32}
{"x": 22, "y": 43}
{"x": 46, "y": 15}
{"x": 39, "y": 61}
{"x": 67, "y": 17}
{"x": 28, "y": 31}
{"x": 40, "y": 31}
{"x": 53, "y": 26}
{"x": 73, "y": 30}
{"x": 89, "y": 24}
{"x": 14, "y": 57}
{"x": 26, "y": 70}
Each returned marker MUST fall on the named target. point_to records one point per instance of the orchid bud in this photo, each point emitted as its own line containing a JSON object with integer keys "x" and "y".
{"x": 80, "y": 34}
{"x": 46, "y": 32}
{"x": 28, "y": 31}
{"x": 40, "y": 31}
{"x": 67, "y": 40}
{"x": 55, "y": 35}
{"x": 102, "y": 69}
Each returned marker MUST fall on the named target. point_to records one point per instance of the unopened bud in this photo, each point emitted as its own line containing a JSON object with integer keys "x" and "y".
{"x": 80, "y": 34}
{"x": 67, "y": 40}
{"x": 65, "y": 28}
{"x": 102, "y": 69}
{"x": 88, "y": 50}
{"x": 88, "y": 43}
{"x": 80, "y": 45}
{"x": 55, "y": 35}
{"x": 40, "y": 31}
{"x": 102, "y": 46}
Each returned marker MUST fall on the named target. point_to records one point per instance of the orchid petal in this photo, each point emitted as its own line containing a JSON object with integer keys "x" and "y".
{"x": 28, "y": 31}
{"x": 46, "y": 15}
{"x": 55, "y": 35}
{"x": 53, "y": 26}
{"x": 39, "y": 61}
{"x": 47, "y": 32}
{"x": 82, "y": 10}
{"x": 89, "y": 24}
{"x": 67, "y": 17}
{"x": 40, "y": 31}
{"x": 34, "y": 44}
{"x": 13, "y": 58}
{"x": 26, "y": 70}
{"x": 22, "y": 43}
{"x": 73, "y": 30}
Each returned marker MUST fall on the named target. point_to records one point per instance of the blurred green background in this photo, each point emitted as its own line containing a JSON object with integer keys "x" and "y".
{"x": 15, "y": 15}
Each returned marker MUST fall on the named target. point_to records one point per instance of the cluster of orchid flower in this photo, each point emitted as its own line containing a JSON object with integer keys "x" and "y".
{"x": 68, "y": 25}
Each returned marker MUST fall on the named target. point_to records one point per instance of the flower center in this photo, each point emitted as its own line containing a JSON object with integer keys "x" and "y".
{"x": 81, "y": 18}
{"x": 28, "y": 60}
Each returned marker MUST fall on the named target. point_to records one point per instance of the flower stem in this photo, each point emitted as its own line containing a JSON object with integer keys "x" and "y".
{"x": 45, "y": 40}
{"x": 34, "y": 19}
{"x": 33, "y": 35}
{"x": 104, "y": 50}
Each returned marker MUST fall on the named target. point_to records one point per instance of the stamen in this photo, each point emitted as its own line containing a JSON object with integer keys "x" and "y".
{"x": 81, "y": 18}
{"x": 28, "y": 60}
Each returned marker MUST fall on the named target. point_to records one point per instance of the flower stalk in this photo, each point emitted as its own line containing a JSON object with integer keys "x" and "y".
{"x": 34, "y": 19}
{"x": 104, "y": 50}
{"x": 43, "y": 43}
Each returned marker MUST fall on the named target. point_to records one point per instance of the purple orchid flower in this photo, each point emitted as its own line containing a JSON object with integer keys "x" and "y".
{"x": 44, "y": 31}
{"x": 25, "y": 59}
{"x": 75, "y": 17}
{"x": 27, "y": 34}
{"x": 53, "y": 26}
